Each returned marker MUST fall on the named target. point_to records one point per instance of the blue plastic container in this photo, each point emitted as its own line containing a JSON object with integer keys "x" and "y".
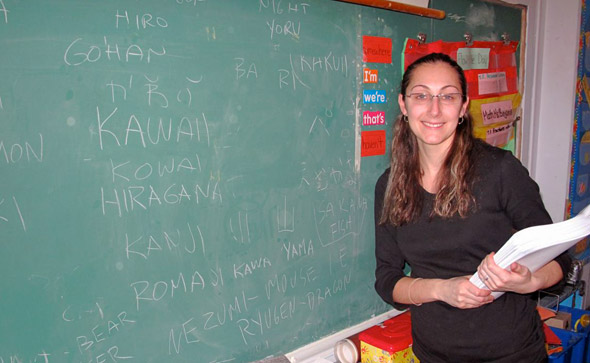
{"x": 576, "y": 315}
{"x": 573, "y": 347}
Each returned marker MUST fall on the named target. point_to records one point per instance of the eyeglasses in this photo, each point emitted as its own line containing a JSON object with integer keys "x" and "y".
{"x": 423, "y": 98}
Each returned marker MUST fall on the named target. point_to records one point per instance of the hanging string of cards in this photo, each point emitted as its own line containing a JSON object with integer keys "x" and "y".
{"x": 375, "y": 50}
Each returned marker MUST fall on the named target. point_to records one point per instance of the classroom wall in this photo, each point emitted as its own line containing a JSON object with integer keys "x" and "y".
{"x": 551, "y": 53}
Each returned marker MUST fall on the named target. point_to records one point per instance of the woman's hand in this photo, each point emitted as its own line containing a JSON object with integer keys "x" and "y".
{"x": 518, "y": 278}
{"x": 461, "y": 293}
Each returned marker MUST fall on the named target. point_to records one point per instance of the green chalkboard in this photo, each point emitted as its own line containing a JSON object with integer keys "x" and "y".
{"x": 181, "y": 180}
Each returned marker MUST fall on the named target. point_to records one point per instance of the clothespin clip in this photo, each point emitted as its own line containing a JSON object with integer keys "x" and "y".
{"x": 506, "y": 38}
{"x": 468, "y": 39}
{"x": 422, "y": 38}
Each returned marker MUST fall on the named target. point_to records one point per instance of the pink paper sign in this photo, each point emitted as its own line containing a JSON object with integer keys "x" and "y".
{"x": 496, "y": 112}
{"x": 492, "y": 83}
{"x": 372, "y": 118}
{"x": 499, "y": 136}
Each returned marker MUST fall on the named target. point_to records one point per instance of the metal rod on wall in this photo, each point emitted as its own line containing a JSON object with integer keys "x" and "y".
{"x": 400, "y": 7}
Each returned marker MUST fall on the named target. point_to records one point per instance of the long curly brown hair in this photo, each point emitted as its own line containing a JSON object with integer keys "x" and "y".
{"x": 403, "y": 198}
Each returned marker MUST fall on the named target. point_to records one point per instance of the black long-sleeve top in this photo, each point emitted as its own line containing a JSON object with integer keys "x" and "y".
{"x": 506, "y": 330}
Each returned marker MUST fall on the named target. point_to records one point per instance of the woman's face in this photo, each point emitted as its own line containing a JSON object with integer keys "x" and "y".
{"x": 433, "y": 119}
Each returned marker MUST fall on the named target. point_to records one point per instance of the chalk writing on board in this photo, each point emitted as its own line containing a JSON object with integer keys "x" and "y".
{"x": 76, "y": 312}
{"x": 112, "y": 353}
{"x": 328, "y": 63}
{"x": 289, "y": 27}
{"x": 318, "y": 296}
{"x": 138, "y": 197}
{"x": 100, "y": 339}
{"x": 241, "y": 231}
{"x": 190, "y": 2}
{"x": 79, "y": 52}
{"x": 301, "y": 65}
{"x": 22, "y": 151}
{"x": 263, "y": 320}
{"x": 245, "y": 70}
{"x": 279, "y": 7}
{"x": 4, "y": 11}
{"x": 228, "y": 311}
{"x": 143, "y": 132}
{"x": 139, "y": 21}
{"x": 317, "y": 120}
{"x": 42, "y": 357}
{"x": 103, "y": 332}
{"x": 188, "y": 331}
{"x": 293, "y": 249}
{"x": 326, "y": 177}
{"x": 244, "y": 269}
{"x": 119, "y": 91}
{"x": 153, "y": 93}
{"x": 335, "y": 220}
{"x": 133, "y": 170}
{"x": 155, "y": 291}
{"x": 280, "y": 284}
{"x": 13, "y": 209}
{"x": 286, "y": 218}
{"x": 144, "y": 246}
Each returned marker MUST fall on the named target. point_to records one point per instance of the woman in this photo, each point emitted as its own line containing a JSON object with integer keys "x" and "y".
{"x": 445, "y": 204}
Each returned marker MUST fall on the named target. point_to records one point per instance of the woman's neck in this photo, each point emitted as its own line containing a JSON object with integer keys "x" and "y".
{"x": 431, "y": 162}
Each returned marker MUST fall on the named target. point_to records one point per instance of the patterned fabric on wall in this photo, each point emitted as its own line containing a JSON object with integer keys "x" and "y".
{"x": 579, "y": 195}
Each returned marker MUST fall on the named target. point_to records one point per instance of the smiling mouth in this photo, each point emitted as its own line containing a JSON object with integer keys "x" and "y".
{"x": 432, "y": 124}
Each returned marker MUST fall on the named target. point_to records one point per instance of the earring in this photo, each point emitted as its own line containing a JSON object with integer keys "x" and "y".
{"x": 461, "y": 119}
{"x": 405, "y": 118}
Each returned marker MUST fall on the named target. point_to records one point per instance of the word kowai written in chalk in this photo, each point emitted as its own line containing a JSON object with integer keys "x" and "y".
{"x": 128, "y": 170}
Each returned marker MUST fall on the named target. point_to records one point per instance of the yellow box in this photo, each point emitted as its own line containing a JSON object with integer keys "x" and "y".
{"x": 388, "y": 342}
{"x": 371, "y": 354}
